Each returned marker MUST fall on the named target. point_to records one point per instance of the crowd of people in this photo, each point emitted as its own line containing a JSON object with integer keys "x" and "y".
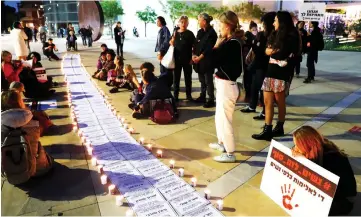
{"x": 266, "y": 59}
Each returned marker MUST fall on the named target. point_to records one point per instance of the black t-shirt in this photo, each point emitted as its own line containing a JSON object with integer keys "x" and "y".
{"x": 183, "y": 44}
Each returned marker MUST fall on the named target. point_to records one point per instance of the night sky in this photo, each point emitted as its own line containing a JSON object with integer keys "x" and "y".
{"x": 12, "y": 4}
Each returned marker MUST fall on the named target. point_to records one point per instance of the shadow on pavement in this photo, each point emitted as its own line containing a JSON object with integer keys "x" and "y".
{"x": 190, "y": 114}
{"x": 62, "y": 184}
{"x": 58, "y": 130}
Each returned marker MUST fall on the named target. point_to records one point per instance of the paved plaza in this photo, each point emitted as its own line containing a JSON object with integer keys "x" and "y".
{"x": 74, "y": 187}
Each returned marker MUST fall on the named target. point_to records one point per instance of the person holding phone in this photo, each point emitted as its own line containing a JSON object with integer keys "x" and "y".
{"x": 119, "y": 38}
{"x": 49, "y": 48}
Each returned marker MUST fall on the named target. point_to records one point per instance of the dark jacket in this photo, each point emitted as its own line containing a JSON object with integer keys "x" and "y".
{"x": 303, "y": 34}
{"x": 46, "y": 44}
{"x": 157, "y": 89}
{"x": 163, "y": 39}
{"x": 259, "y": 48}
{"x": 118, "y": 37}
{"x": 183, "y": 44}
{"x": 82, "y": 31}
{"x": 314, "y": 40}
{"x": 28, "y": 32}
{"x": 205, "y": 41}
{"x": 68, "y": 38}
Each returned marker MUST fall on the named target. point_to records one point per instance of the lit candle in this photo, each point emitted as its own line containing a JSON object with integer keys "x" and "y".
{"x": 94, "y": 161}
{"x": 194, "y": 182}
{"x": 129, "y": 213}
{"x": 75, "y": 128}
{"x": 125, "y": 126}
{"x": 123, "y": 120}
{"x": 149, "y": 147}
{"x": 119, "y": 200}
{"x": 141, "y": 140}
{"x": 83, "y": 139}
{"x": 111, "y": 189}
{"x": 88, "y": 144}
{"x": 100, "y": 169}
{"x": 119, "y": 117}
{"x": 219, "y": 205}
{"x": 131, "y": 130}
{"x": 159, "y": 153}
{"x": 90, "y": 150}
{"x": 172, "y": 162}
{"x": 80, "y": 132}
{"x": 207, "y": 194}
{"x": 181, "y": 172}
{"x": 104, "y": 179}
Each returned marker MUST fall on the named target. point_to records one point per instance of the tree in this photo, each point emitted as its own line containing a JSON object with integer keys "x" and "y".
{"x": 195, "y": 9}
{"x": 147, "y": 16}
{"x": 248, "y": 11}
{"x": 356, "y": 27}
{"x": 111, "y": 9}
{"x": 8, "y": 16}
{"x": 174, "y": 9}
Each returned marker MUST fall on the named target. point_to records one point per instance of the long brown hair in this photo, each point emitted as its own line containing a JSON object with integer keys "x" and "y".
{"x": 11, "y": 99}
{"x": 311, "y": 144}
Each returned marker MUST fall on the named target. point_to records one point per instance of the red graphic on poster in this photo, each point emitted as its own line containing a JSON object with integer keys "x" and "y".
{"x": 355, "y": 129}
{"x": 287, "y": 196}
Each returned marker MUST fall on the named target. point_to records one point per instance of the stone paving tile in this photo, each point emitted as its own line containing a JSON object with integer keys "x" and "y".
{"x": 108, "y": 208}
{"x": 89, "y": 210}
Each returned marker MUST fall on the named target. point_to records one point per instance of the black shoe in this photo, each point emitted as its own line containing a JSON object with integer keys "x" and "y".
{"x": 55, "y": 84}
{"x": 313, "y": 79}
{"x": 266, "y": 134}
{"x": 248, "y": 110}
{"x": 209, "y": 104}
{"x": 307, "y": 81}
{"x": 131, "y": 106}
{"x": 201, "y": 99}
{"x": 108, "y": 84}
{"x": 278, "y": 130}
{"x": 259, "y": 117}
{"x": 137, "y": 115}
{"x": 113, "y": 90}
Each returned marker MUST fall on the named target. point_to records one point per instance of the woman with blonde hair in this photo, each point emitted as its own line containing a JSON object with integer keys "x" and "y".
{"x": 127, "y": 80}
{"x": 310, "y": 144}
{"x": 227, "y": 55}
{"x": 10, "y": 69}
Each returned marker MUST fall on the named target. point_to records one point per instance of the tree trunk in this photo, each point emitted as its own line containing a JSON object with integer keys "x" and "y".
{"x": 145, "y": 28}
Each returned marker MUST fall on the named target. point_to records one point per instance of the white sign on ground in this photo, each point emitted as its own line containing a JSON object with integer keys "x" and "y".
{"x": 312, "y": 12}
{"x": 299, "y": 186}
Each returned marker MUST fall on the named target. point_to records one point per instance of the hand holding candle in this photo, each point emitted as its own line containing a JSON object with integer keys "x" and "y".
{"x": 104, "y": 179}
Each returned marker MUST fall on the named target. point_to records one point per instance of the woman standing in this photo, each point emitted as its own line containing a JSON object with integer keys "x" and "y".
{"x": 228, "y": 60}
{"x": 282, "y": 46}
{"x": 312, "y": 145}
{"x": 19, "y": 37}
{"x": 162, "y": 47}
{"x": 202, "y": 58}
{"x": 183, "y": 41}
{"x": 260, "y": 65}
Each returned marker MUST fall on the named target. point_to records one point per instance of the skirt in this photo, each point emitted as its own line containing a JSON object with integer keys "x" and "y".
{"x": 274, "y": 85}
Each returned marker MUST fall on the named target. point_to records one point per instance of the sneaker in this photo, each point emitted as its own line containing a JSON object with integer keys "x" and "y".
{"x": 248, "y": 110}
{"x": 225, "y": 158}
{"x": 217, "y": 146}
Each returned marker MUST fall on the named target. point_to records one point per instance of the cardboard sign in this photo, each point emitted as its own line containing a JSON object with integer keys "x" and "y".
{"x": 312, "y": 12}
{"x": 299, "y": 186}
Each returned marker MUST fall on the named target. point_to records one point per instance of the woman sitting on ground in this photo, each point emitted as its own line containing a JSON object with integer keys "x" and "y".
{"x": 35, "y": 56}
{"x": 128, "y": 80}
{"x": 312, "y": 145}
{"x": 44, "y": 120}
{"x": 101, "y": 61}
{"x": 108, "y": 65}
{"x": 14, "y": 115}
{"x": 116, "y": 72}
{"x": 10, "y": 69}
{"x": 153, "y": 88}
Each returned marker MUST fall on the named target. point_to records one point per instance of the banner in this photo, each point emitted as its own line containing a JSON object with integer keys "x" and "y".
{"x": 312, "y": 12}
{"x": 299, "y": 186}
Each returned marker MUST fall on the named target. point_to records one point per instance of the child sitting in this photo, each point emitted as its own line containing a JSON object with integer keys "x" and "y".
{"x": 101, "y": 61}
{"x": 71, "y": 41}
{"x": 153, "y": 88}
{"x": 117, "y": 72}
{"x": 128, "y": 80}
{"x": 108, "y": 65}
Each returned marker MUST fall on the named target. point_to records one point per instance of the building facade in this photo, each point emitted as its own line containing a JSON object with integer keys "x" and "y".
{"x": 59, "y": 13}
{"x": 32, "y": 11}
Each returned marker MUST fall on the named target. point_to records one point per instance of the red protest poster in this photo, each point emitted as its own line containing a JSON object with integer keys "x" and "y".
{"x": 299, "y": 186}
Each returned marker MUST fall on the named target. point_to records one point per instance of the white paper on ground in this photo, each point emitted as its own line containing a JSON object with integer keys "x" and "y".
{"x": 105, "y": 158}
{"x": 174, "y": 189}
{"x": 131, "y": 185}
{"x": 144, "y": 196}
{"x": 108, "y": 122}
{"x": 163, "y": 178}
{"x": 83, "y": 124}
{"x": 91, "y": 129}
{"x": 99, "y": 140}
{"x": 106, "y": 147}
{"x": 154, "y": 208}
{"x": 143, "y": 160}
{"x": 150, "y": 170}
{"x": 94, "y": 134}
{"x": 209, "y": 211}
{"x": 188, "y": 202}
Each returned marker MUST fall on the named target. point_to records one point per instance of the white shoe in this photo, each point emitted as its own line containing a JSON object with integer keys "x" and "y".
{"x": 217, "y": 146}
{"x": 225, "y": 158}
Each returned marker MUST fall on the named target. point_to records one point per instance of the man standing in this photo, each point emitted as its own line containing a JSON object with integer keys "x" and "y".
{"x": 89, "y": 35}
{"x": 28, "y": 33}
{"x": 162, "y": 47}
{"x": 82, "y": 33}
{"x": 119, "y": 38}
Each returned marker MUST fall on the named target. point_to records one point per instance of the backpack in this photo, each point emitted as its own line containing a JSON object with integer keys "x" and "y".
{"x": 15, "y": 155}
{"x": 163, "y": 112}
